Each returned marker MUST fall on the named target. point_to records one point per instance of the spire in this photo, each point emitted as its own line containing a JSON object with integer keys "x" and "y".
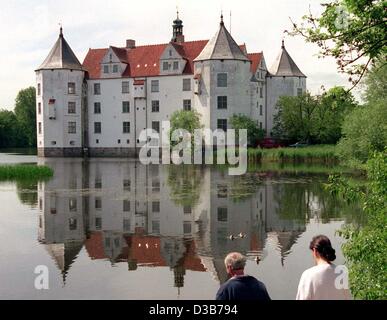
{"x": 284, "y": 66}
{"x": 222, "y": 47}
{"x": 178, "y": 35}
{"x": 61, "y": 56}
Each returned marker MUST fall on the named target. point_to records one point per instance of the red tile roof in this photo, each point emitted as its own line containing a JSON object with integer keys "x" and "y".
{"x": 255, "y": 59}
{"x": 143, "y": 61}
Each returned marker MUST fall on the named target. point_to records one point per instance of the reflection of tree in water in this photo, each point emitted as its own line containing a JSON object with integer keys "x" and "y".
{"x": 185, "y": 182}
{"x": 27, "y": 192}
{"x": 243, "y": 187}
{"x": 303, "y": 201}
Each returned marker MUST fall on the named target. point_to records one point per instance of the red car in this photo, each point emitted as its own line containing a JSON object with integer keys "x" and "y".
{"x": 269, "y": 143}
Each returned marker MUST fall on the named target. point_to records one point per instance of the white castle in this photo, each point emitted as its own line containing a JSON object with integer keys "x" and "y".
{"x": 100, "y": 107}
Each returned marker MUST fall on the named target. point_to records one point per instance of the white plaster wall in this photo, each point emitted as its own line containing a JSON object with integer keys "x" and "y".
{"x": 54, "y": 85}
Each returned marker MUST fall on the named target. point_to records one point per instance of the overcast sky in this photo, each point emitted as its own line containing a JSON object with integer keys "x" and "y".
{"x": 28, "y": 30}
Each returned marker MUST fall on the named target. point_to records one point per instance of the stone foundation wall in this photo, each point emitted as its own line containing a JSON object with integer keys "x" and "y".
{"x": 60, "y": 152}
{"x": 113, "y": 153}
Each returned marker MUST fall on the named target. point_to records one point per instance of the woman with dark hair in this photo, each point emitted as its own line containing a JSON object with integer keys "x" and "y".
{"x": 320, "y": 282}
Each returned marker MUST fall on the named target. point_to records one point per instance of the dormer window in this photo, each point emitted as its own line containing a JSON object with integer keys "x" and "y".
{"x": 105, "y": 69}
{"x": 115, "y": 68}
{"x": 175, "y": 65}
{"x": 165, "y": 65}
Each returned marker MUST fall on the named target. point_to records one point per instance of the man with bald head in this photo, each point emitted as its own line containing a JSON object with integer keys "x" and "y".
{"x": 240, "y": 286}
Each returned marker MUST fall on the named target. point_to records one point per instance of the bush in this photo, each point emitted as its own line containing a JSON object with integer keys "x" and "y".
{"x": 366, "y": 247}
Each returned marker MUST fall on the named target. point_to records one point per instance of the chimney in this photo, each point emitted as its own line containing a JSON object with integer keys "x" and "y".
{"x": 130, "y": 44}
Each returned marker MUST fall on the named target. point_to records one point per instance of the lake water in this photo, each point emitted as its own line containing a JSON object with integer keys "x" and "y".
{"x": 116, "y": 229}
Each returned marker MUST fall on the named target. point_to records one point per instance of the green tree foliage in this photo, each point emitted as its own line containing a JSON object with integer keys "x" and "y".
{"x": 9, "y": 133}
{"x": 254, "y": 133}
{"x": 365, "y": 128}
{"x": 316, "y": 119}
{"x": 25, "y": 111}
{"x": 351, "y": 31}
{"x": 366, "y": 247}
{"x": 334, "y": 105}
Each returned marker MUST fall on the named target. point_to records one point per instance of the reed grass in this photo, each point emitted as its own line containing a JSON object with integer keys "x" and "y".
{"x": 24, "y": 172}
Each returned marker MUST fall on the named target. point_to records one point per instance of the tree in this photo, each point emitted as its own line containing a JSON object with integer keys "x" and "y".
{"x": 25, "y": 111}
{"x": 351, "y": 31}
{"x": 334, "y": 105}
{"x": 9, "y": 133}
{"x": 295, "y": 117}
{"x": 366, "y": 248}
{"x": 316, "y": 119}
{"x": 365, "y": 128}
{"x": 187, "y": 120}
{"x": 254, "y": 133}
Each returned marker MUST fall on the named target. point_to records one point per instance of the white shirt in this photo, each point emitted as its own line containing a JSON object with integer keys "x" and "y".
{"x": 318, "y": 283}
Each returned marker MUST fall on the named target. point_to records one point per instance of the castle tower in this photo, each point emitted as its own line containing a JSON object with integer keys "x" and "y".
{"x": 178, "y": 35}
{"x": 284, "y": 79}
{"x": 222, "y": 72}
{"x": 60, "y": 88}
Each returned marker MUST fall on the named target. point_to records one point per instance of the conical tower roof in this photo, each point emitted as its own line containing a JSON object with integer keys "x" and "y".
{"x": 284, "y": 66}
{"x": 61, "y": 57}
{"x": 222, "y": 47}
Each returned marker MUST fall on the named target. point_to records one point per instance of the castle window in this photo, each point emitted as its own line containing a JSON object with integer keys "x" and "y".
{"x": 261, "y": 92}
{"x": 165, "y": 65}
{"x": 39, "y": 108}
{"x": 125, "y": 106}
{"x": 72, "y": 224}
{"x": 97, "y": 88}
{"x": 261, "y": 125}
{"x": 119, "y": 141}
{"x": 222, "y": 214}
{"x": 155, "y": 226}
{"x": 125, "y": 86}
{"x": 39, "y": 89}
{"x": 71, "y": 88}
{"x": 98, "y": 203}
{"x": 126, "y": 127}
{"x": 175, "y": 65}
{"x": 186, "y": 84}
{"x": 126, "y": 205}
{"x": 222, "y": 124}
{"x": 126, "y": 224}
{"x": 105, "y": 69}
{"x": 97, "y": 127}
{"x": 187, "y": 105}
{"x": 156, "y": 126}
{"x": 155, "y": 106}
{"x": 73, "y": 204}
{"x": 261, "y": 110}
{"x": 97, "y": 107}
{"x": 98, "y": 183}
{"x": 126, "y": 184}
{"x": 71, "y": 108}
{"x": 187, "y": 227}
{"x": 155, "y": 86}
{"x": 156, "y": 206}
{"x": 299, "y": 92}
{"x": 98, "y": 223}
{"x": 40, "y": 128}
{"x": 222, "y": 102}
{"x": 115, "y": 68}
{"x": 72, "y": 127}
{"x": 222, "y": 80}
{"x": 187, "y": 209}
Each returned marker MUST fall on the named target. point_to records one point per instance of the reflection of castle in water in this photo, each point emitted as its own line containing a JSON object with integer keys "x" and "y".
{"x": 126, "y": 212}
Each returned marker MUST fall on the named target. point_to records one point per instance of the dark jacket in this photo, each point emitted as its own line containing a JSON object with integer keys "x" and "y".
{"x": 243, "y": 288}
